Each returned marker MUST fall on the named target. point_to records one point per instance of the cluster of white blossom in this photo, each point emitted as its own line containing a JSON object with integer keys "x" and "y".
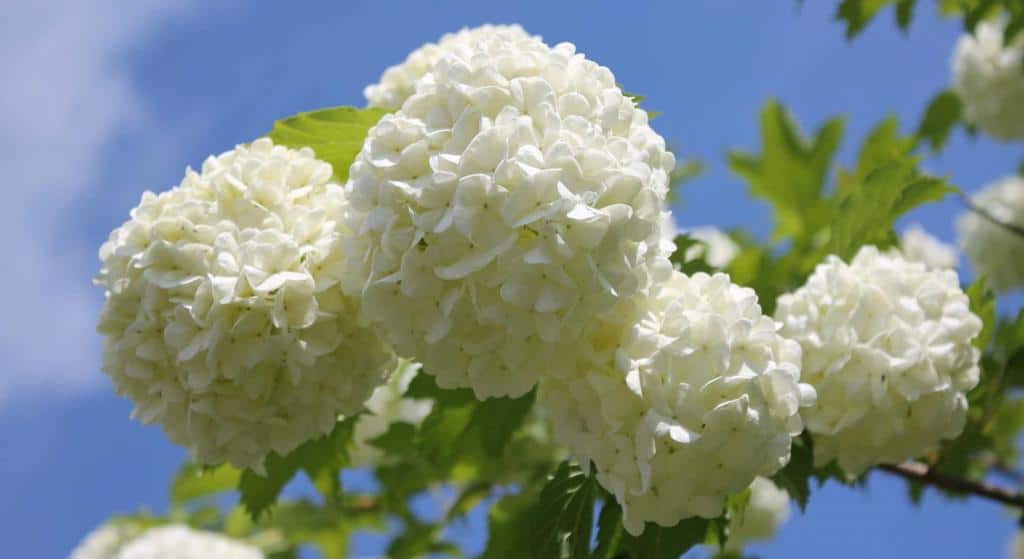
{"x": 919, "y": 246}
{"x": 887, "y": 345}
{"x": 386, "y": 406}
{"x": 173, "y": 541}
{"x": 680, "y": 399}
{"x": 398, "y": 82}
{"x": 767, "y": 510}
{"x": 105, "y": 541}
{"x": 223, "y": 319}
{"x": 994, "y": 251}
{"x": 987, "y": 77}
{"x": 514, "y": 196}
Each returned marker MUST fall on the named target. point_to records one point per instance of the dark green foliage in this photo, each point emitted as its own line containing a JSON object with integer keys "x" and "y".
{"x": 943, "y": 113}
{"x": 323, "y": 456}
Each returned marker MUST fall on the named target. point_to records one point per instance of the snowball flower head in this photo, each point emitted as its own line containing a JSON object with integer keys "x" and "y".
{"x": 398, "y": 82}
{"x": 387, "y": 405}
{"x": 514, "y": 196}
{"x": 767, "y": 510}
{"x": 680, "y": 399}
{"x": 181, "y": 542}
{"x": 994, "y": 251}
{"x": 918, "y": 245}
{"x": 223, "y": 321}
{"x": 105, "y": 541}
{"x": 887, "y": 346}
{"x": 988, "y": 78}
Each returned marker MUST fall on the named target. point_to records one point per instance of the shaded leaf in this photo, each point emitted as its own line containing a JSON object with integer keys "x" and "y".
{"x": 564, "y": 513}
{"x": 942, "y": 114}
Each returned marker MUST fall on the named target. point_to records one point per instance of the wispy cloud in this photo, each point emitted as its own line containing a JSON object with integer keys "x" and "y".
{"x": 67, "y": 95}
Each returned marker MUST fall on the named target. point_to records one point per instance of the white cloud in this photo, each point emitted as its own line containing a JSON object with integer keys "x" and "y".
{"x": 67, "y": 95}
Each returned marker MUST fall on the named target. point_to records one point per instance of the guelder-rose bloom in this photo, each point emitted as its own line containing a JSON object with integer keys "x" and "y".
{"x": 104, "y": 542}
{"x": 398, "y": 82}
{"x": 514, "y": 196}
{"x": 994, "y": 251}
{"x": 680, "y": 399}
{"x": 181, "y": 542}
{"x": 988, "y": 79}
{"x": 766, "y": 511}
{"x": 223, "y": 320}
{"x": 887, "y": 345}
{"x": 920, "y": 246}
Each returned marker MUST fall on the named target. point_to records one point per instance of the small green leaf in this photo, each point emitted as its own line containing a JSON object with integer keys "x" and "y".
{"x": 857, "y": 14}
{"x": 509, "y": 528}
{"x": 563, "y": 516}
{"x": 983, "y": 304}
{"x": 195, "y": 482}
{"x": 499, "y": 418}
{"x": 323, "y": 456}
{"x": 942, "y": 114}
{"x": 791, "y": 172}
{"x": 668, "y": 543}
{"x": 795, "y": 477}
{"x": 904, "y": 13}
{"x": 610, "y": 532}
{"x": 335, "y": 135}
{"x": 868, "y": 211}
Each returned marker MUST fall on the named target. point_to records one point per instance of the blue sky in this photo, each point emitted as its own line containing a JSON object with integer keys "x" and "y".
{"x": 104, "y": 99}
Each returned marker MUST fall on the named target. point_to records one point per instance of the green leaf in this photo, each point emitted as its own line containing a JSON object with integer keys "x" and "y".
{"x": 790, "y": 173}
{"x": 610, "y": 532}
{"x": 335, "y": 135}
{"x": 419, "y": 540}
{"x": 942, "y": 114}
{"x": 883, "y": 144}
{"x": 796, "y": 475}
{"x": 323, "y": 456}
{"x": 857, "y": 14}
{"x": 869, "y": 210}
{"x": 668, "y": 543}
{"x": 983, "y": 304}
{"x": 509, "y": 528}
{"x": 194, "y": 482}
{"x": 564, "y": 514}
{"x": 904, "y": 13}
{"x": 499, "y": 418}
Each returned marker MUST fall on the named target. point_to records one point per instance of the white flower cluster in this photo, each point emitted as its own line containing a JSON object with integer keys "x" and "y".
{"x": 181, "y": 542}
{"x": 515, "y": 195}
{"x": 386, "y": 406}
{"x": 104, "y": 542}
{"x": 988, "y": 78}
{"x": 115, "y": 541}
{"x": 680, "y": 399}
{"x": 919, "y": 246}
{"x": 223, "y": 319}
{"x": 994, "y": 251}
{"x": 887, "y": 345}
{"x": 767, "y": 510}
{"x": 398, "y": 82}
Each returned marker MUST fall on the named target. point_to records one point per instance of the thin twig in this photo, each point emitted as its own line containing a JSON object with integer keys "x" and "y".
{"x": 920, "y": 473}
{"x": 1011, "y": 227}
